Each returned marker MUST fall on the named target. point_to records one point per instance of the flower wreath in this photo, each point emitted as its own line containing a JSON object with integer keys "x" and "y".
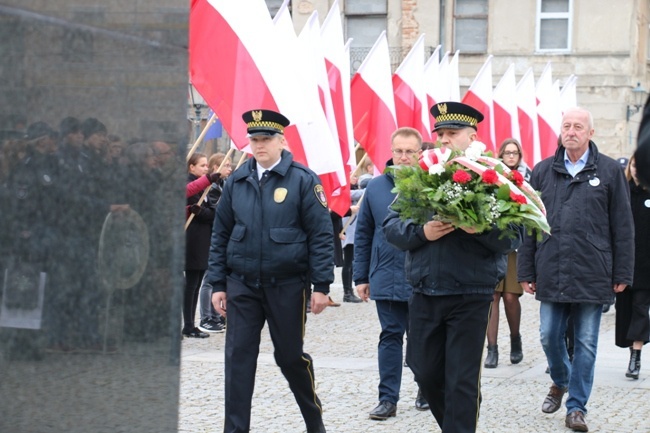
{"x": 468, "y": 189}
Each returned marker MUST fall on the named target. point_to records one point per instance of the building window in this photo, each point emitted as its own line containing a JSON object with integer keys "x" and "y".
{"x": 554, "y": 25}
{"x": 471, "y": 26}
{"x": 365, "y": 20}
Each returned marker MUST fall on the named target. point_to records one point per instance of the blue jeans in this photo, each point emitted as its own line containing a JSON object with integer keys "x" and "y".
{"x": 393, "y": 317}
{"x": 579, "y": 376}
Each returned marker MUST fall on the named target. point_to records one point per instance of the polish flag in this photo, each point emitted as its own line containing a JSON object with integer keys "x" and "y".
{"x": 479, "y": 96}
{"x": 234, "y": 70}
{"x": 549, "y": 117}
{"x": 440, "y": 88}
{"x": 408, "y": 88}
{"x": 527, "y": 110}
{"x": 506, "y": 120}
{"x": 568, "y": 94}
{"x": 373, "y": 104}
{"x": 454, "y": 80}
{"x": 337, "y": 63}
{"x": 431, "y": 78}
{"x": 544, "y": 83}
{"x": 311, "y": 35}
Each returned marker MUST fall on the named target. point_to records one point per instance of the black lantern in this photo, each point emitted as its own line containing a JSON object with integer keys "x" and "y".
{"x": 639, "y": 94}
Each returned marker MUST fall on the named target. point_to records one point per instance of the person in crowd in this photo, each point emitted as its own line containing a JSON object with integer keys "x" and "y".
{"x": 509, "y": 289}
{"x": 211, "y": 321}
{"x": 633, "y": 304}
{"x": 368, "y": 173}
{"x": 197, "y": 243}
{"x": 273, "y": 235}
{"x": 453, "y": 273}
{"x": 379, "y": 274}
{"x": 588, "y": 256}
{"x": 346, "y": 236}
{"x": 642, "y": 154}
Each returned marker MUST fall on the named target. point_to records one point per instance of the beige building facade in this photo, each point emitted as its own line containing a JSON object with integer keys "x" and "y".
{"x": 604, "y": 43}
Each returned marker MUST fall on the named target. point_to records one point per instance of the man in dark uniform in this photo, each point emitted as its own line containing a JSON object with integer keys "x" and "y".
{"x": 453, "y": 273}
{"x": 272, "y": 234}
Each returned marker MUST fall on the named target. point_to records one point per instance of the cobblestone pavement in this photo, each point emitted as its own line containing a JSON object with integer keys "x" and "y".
{"x": 343, "y": 344}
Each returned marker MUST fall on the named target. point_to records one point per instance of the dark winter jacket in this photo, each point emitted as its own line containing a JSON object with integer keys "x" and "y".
{"x": 375, "y": 260}
{"x": 591, "y": 246}
{"x": 640, "y": 200}
{"x": 197, "y": 235}
{"x": 458, "y": 263}
{"x": 279, "y": 228}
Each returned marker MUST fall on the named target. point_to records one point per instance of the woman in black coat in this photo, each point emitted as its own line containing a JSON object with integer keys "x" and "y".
{"x": 633, "y": 304}
{"x": 197, "y": 245}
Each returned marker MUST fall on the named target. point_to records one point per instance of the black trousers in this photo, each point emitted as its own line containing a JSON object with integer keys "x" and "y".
{"x": 446, "y": 338}
{"x": 632, "y": 318}
{"x": 282, "y": 305}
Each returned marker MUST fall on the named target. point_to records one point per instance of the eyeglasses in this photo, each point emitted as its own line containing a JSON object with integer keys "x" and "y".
{"x": 398, "y": 152}
{"x": 515, "y": 153}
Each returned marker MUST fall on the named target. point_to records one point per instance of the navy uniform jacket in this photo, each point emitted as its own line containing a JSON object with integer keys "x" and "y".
{"x": 281, "y": 229}
{"x": 591, "y": 246}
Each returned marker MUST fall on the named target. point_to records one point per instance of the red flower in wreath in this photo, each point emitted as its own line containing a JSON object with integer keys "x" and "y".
{"x": 518, "y": 198}
{"x": 461, "y": 176}
{"x": 516, "y": 177}
{"x": 490, "y": 177}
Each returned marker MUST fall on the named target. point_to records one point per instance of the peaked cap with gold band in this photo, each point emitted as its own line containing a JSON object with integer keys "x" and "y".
{"x": 264, "y": 122}
{"x": 455, "y": 115}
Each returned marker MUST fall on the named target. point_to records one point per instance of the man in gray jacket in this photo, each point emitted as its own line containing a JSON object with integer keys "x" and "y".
{"x": 588, "y": 256}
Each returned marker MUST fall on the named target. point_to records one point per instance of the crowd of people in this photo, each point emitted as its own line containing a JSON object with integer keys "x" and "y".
{"x": 58, "y": 188}
{"x": 261, "y": 247}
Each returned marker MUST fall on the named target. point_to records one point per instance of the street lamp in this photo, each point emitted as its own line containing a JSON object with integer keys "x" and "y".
{"x": 196, "y": 101}
{"x": 639, "y": 94}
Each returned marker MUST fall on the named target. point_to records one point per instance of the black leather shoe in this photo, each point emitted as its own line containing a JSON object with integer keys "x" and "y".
{"x": 420, "y": 402}
{"x": 553, "y": 400}
{"x": 320, "y": 428}
{"x": 576, "y": 421}
{"x": 349, "y": 297}
{"x": 516, "y": 352}
{"x": 195, "y": 333}
{"x": 383, "y": 411}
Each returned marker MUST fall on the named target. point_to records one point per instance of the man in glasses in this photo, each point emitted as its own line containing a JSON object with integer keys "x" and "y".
{"x": 379, "y": 273}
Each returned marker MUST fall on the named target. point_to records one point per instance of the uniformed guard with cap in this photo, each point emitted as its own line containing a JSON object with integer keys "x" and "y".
{"x": 272, "y": 234}
{"x": 454, "y": 273}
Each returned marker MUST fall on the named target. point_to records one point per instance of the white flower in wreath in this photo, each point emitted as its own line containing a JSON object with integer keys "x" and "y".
{"x": 475, "y": 150}
{"x": 437, "y": 169}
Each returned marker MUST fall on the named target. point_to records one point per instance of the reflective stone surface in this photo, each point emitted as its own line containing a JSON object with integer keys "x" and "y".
{"x": 93, "y": 132}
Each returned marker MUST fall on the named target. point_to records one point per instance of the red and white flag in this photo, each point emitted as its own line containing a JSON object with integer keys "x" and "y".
{"x": 544, "y": 83}
{"x": 431, "y": 78}
{"x": 408, "y": 88}
{"x": 568, "y": 94}
{"x": 233, "y": 69}
{"x": 454, "y": 78}
{"x": 479, "y": 96}
{"x": 373, "y": 104}
{"x": 527, "y": 110}
{"x": 504, "y": 97}
{"x": 549, "y": 117}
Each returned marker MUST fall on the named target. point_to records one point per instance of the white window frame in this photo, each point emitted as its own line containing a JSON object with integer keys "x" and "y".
{"x": 553, "y": 15}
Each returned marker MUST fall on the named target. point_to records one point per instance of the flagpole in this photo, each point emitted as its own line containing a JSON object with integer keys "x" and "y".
{"x": 207, "y": 189}
{"x": 353, "y": 217}
{"x": 200, "y": 138}
{"x": 241, "y": 160}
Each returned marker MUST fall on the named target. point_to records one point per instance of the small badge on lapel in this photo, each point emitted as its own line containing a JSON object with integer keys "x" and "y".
{"x": 320, "y": 195}
{"x": 279, "y": 195}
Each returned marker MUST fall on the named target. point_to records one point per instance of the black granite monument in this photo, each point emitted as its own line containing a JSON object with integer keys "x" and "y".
{"x": 91, "y": 214}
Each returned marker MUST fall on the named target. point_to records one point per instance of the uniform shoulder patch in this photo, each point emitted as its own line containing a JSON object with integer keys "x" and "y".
{"x": 320, "y": 194}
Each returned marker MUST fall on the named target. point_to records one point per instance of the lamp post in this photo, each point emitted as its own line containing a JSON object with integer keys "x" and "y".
{"x": 197, "y": 102}
{"x": 639, "y": 94}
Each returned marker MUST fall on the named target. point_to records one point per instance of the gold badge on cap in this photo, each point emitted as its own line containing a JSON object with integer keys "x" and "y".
{"x": 279, "y": 195}
{"x": 320, "y": 195}
{"x": 442, "y": 108}
{"x": 257, "y": 115}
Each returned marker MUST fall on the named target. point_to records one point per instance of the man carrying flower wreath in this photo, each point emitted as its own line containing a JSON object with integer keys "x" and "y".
{"x": 453, "y": 268}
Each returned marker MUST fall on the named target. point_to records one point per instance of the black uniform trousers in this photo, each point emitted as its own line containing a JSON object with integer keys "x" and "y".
{"x": 446, "y": 338}
{"x": 282, "y": 305}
